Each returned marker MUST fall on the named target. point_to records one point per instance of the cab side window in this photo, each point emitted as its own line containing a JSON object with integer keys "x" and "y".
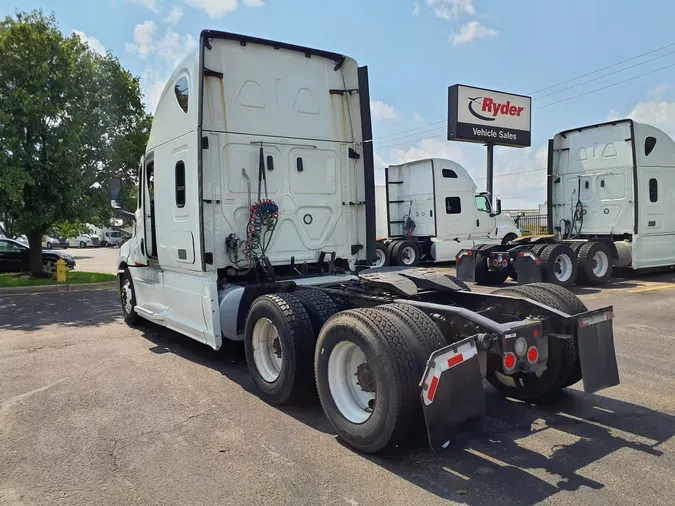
{"x": 453, "y": 205}
{"x": 482, "y": 204}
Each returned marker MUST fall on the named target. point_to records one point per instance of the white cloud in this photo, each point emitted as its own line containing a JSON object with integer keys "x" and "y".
{"x": 171, "y": 47}
{"x": 382, "y": 111}
{"x": 214, "y": 8}
{"x": 153, "y": 5}
{"x": 162, "y": 54}
{"x": 660, "y": 114}
{"x": 143, "y": 45}
{"x": 451, "y": 9}
{"x": 417, "y": 117}
{"x": 94, "y": 44}
{"x": 152, "y": 85}
{"x": 174, "y": 16}
{"x": 471, "y": 31}
{"x": 416, "y": 9}
{"x": 254, "y": 3}
{"x": 659, "y": 90}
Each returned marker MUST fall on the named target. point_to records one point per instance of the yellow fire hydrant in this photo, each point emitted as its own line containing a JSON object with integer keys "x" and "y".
{"x": 61, "y": 270}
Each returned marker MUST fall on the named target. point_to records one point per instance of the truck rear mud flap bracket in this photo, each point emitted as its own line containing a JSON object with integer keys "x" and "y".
{"x": 452, "y": 391}
{"x": 596, "y": 351}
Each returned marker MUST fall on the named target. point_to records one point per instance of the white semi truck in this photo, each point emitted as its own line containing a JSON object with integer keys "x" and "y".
{"x": 256, "y": 223}
{"x": 611, "y": 203}
{"x": 431, "y": 211}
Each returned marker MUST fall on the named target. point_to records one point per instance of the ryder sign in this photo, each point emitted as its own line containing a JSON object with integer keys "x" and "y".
{"x": 488, "y": 117}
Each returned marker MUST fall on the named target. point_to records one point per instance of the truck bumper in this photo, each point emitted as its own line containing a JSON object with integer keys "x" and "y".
{"x": 452, "y": 386}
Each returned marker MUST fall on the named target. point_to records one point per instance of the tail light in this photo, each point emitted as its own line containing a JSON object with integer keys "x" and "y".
{"x": 509, "y": 362}
{"x": 505, "y": 263}
{"x": 532, "y": 354}
{"x": 495, "y": 262}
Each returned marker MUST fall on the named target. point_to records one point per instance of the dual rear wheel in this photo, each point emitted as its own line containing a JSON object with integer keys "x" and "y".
{"x": 398, "y": 252}
{"x": 364, "y": 363}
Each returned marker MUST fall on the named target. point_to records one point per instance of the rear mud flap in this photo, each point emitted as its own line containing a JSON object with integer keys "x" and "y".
{"x": 596, "y": 352}
{"x": 528, "y": 270}
{"x": 452, "y": 391}
{"x": 466, "y": 266}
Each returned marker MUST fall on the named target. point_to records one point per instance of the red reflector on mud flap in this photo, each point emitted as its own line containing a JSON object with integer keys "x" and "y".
{"x": 457, "y": 359}
{"x": 432, "y": 388}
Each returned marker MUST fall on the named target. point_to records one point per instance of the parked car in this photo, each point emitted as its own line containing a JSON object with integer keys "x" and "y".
{"x": 54, "y": 242}
{"x": 22, "y": 239}
{"x": 81, "y": 241}
{"x": 15, "y": 257}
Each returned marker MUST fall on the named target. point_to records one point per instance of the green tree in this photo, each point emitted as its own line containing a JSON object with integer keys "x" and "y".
{"x": 69, "y": 119}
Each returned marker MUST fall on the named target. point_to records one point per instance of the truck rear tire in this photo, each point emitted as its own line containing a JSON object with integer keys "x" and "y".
{"x": 423, "y": 328}
{"x": 559, "y": 264}
{"x": 279, "y": 344}
{"x": 595, "y": 263}
{"x": 572, "y": 305}
{"x": 381, "y": 255}
{"x": 405, "y": 253}
{"x": 560, "y": 366}
{"x": 367, "y": 376}
{"x": 319, "y": 306}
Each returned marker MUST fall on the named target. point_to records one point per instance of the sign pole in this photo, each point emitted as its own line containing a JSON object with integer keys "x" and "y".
{"x": 490, "y": 169}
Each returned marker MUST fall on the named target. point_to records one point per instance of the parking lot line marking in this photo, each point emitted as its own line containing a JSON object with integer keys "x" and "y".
{"x": 653, "y": 288}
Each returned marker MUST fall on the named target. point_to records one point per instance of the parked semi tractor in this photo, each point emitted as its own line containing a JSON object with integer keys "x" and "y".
{"x": 256, "y": 223}
{"x": 430, "y": 210}
{"x": 611, "y": 202}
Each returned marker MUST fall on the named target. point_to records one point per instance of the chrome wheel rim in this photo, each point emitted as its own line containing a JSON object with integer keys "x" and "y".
{"x": 563, "y": 267}
{"x": 268, "y": 351}
{"x": 49, "y": 268}
{"x": 351, "y": 382}
{"x": 600, "y": 264}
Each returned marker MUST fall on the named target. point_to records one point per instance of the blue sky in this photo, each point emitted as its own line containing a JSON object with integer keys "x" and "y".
{"x": 415, "y": 50}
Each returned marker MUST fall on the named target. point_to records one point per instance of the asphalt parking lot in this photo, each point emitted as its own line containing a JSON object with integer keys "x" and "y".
{"x": 95, "y": 412}
{"x": 95, "y": 259}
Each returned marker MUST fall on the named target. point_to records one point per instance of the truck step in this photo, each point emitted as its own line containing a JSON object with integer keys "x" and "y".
{"x": 153, "y": 314}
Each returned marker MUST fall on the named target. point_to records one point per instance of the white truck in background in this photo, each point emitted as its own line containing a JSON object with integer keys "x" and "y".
{"x": 256, "y": 223}
{"x": 611, "y": 203}
{"x": 106, "y": 236}
{"x": 429, "y": 210}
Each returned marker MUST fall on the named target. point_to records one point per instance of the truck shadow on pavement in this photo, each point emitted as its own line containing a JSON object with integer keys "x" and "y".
{"x": 543, "y": 450}
{"x": 517, "y": 454}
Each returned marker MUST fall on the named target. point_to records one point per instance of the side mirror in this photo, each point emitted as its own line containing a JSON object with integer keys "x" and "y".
{"x": 116, "y": 193}
{"x": 499, "y": 206}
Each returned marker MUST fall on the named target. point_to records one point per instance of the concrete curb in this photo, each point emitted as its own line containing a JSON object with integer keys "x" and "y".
{"x": 84, "y": 287}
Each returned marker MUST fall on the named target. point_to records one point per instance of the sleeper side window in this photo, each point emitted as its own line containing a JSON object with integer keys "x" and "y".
{"x": 180, "y": 184}
{"x": 453, "y": 205}
{"x": 653, "y": 190}
{"x": 181, "y": 90}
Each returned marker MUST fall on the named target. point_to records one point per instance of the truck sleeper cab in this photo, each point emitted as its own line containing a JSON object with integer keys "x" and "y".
{"x": 610, "y": 204}
{"x": 432, "y": 212}
{"x": 256, "y": 223}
